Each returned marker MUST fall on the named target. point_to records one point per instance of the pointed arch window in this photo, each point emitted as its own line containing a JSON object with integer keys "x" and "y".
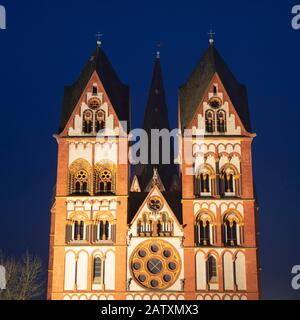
{"x": 221, "y": 121}
{"x": 204, "y": 230}
{"x": 212, "y": 275}
{"x": 233, "y": 230}
{"x": 87, "y": 124}
{"x": 210, "y": 121}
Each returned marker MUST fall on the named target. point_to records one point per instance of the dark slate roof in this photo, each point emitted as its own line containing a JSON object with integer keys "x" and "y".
{"x": 156, "y": 117}
{"x": 136, "y": 199}
{"x": 117, "y": 92}
{"x": 192, "y": 92}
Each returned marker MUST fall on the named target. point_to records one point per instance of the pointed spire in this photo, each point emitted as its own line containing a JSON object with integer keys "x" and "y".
{"x": 156, "y": 117}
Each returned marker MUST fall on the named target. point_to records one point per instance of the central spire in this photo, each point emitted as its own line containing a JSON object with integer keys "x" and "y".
{"x": 156, "y": 117}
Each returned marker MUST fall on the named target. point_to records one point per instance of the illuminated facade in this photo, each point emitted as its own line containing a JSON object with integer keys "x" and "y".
{"x": 162, "y": 232}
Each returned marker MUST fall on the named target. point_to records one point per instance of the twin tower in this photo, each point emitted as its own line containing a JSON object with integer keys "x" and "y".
{"x": 154, "y": 231}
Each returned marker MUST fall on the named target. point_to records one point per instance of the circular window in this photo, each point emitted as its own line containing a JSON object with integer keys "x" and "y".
{"x": 136, "y": 266}
{"x": 215, "y": 102}
{"x": 94, "y": 103}
{"x": 172, "y": 266}
{"x": 142, "y": 278}
{"x": 155, "y": 265}
{"x": 100, "y": 114}
{"x": 154, "y": 248}
{"x": 81, "y": 175}
{"x": 105, "y": 175}
{"x": 167, "y": 253}
{"x": 142, "y": 253}
{"x": 167, "y": 278}
{"x": 88, "y": 115}
{"x": 154, "y": 283}
{"x": 155, "y": 204}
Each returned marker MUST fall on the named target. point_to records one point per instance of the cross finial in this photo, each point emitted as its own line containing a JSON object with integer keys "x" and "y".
{"x": 211, "y": 37}
{"x": 158, "y": 46}
{"x": 98, "y": 37}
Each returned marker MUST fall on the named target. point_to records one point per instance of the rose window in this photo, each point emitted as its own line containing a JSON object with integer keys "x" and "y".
{"x": 155, "y": 265}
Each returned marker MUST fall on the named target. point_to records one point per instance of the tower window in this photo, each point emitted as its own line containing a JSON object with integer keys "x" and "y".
{"x": 78, "y": 230}
{"x": 233, "y": 230}
{"x": 221, "y": 121}
{"x": 204, "y": 230}
{"x": 215, "y": 90}
{"x": 100, "y": 120}
{"x": 95, "y": 90}
{"x": 105, "y": 178}
{"x": 105, "y": 182}
{"x": 104, "y": 231}
{"x": 97, "y": 270}
{"x": 87, "y": 124}
{"x": 204, "y": 182}
{"x": 212, "y": 269}
{"x": 81, "y": 182}
{"x": 210, "y": 121}
{"x": 229, "y": 181}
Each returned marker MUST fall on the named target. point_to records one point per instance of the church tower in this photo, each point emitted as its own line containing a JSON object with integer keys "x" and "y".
{"x": 172, "y": 233}
{"x": 219, "y": 206}
{"x": 89, "y": 212}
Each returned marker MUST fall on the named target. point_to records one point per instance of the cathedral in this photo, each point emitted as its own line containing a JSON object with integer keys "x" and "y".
{"x": 183, "y": 230}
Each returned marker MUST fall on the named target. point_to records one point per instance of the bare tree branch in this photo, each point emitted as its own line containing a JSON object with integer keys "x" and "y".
{"x": 23, "y": 278}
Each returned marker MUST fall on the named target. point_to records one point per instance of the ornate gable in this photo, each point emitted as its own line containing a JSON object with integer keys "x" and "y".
{"x": 155, "y": 208}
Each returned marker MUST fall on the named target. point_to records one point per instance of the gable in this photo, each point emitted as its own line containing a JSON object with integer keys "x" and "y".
{"x": 74, "y": 126}
{"x": 138, "y": 204}
{"x": 233, "y": 121}
{"x": 117, "y": 92}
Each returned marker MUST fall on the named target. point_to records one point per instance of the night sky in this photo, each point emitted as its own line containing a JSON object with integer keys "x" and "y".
{"x": 46, "y": 45}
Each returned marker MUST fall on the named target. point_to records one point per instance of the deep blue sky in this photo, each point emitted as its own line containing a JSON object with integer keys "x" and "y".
{"x": 47, "y": 43}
